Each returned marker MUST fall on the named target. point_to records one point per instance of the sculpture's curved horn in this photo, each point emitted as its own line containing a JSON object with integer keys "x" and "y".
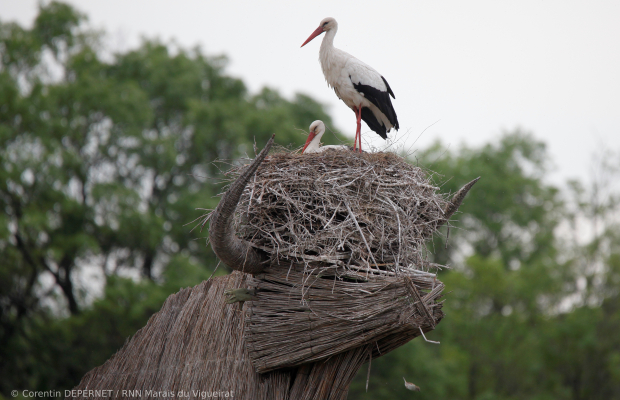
{"x": 235, "y": 252}
{"x": 456, "y": 201}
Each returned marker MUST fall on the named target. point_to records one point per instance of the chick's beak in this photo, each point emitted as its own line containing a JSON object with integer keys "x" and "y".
{"x": 311, "y": 136}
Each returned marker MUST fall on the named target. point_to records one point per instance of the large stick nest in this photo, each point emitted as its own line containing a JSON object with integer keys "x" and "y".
{"x": 368, "y": 212}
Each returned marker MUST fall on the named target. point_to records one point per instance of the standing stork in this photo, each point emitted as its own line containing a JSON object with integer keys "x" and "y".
{"x": 359, "y": 85}
{"x": 317, "y": 129}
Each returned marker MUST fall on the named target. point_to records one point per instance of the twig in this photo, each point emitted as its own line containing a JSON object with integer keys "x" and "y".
{"x": 361, "y": 233}
{"x": 430, "y": 341}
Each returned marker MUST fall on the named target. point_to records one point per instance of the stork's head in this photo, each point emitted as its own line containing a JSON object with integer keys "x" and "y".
{"x": 326, "y": 24}
{"x": 317, "y": 129}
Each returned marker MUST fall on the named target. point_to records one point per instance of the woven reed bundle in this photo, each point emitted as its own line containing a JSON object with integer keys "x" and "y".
{"x": 302, "y": 317}
{"x": 345, "y": 209}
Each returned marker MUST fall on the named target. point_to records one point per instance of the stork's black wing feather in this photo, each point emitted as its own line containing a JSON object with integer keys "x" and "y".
{"x": 387, "y": 85}
{"x": 382, "y": 100}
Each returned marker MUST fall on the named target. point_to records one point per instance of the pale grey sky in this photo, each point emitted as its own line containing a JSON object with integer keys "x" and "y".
{"x": 475, "y": 67}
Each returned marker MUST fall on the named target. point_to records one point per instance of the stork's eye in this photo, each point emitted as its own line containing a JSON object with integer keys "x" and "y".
{"x": 325, "y": 24}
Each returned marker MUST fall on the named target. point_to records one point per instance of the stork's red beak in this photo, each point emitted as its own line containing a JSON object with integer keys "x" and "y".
{"x": 316, "y": 33}
{"x": 311, "y": 136}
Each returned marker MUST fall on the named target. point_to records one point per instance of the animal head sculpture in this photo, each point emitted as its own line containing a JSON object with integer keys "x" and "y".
{"x": 322, "y": 306}
{"x": 335, "y": 244}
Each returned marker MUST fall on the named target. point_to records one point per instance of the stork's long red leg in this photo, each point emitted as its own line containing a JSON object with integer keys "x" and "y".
{"x": 358, "y": 135}
{"x": 356, "y": 130}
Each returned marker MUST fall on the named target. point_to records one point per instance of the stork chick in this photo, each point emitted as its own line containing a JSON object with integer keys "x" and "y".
{"x": 313, "y": 143}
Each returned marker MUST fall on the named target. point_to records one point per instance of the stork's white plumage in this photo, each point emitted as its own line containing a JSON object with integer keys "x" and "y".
{"x": 359, "y": 85}
{"x": 313, "y": 144}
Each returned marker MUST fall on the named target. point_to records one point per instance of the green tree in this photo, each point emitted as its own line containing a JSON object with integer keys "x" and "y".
{"x": 514, "y": 212}
{"x": 583, "y": 346}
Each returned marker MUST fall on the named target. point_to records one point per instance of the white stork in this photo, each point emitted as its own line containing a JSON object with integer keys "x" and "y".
{"x": 317, "y": 129}
{"x": 361, "y": 88}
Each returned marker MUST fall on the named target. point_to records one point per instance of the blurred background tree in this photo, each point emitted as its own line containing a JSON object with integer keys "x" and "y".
{"x": 106, "y": 158}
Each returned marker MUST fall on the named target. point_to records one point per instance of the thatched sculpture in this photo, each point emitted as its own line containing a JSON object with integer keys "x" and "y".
{"x": 332, "y": 273}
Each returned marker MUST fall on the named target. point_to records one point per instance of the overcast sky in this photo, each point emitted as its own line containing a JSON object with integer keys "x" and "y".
{"x": 471, "y": 69}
